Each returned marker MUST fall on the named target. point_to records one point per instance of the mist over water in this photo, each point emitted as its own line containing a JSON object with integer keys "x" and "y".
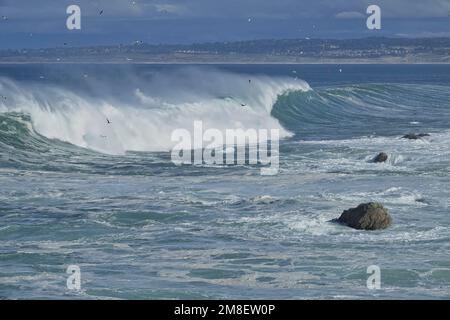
{"x": 77, "y": 190}
{"x": 144, "y": 112}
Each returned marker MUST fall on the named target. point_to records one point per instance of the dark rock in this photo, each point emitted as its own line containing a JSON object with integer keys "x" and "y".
{"x": 367, "y": 216}
{"x": 413, "y": 136}
{"x": 381, "y": 157}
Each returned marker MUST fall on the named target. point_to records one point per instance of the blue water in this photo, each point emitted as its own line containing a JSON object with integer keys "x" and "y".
{"x": 75, "y": 190}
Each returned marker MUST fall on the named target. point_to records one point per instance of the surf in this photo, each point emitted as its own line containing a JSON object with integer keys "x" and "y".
{"x": 145, "y": 113}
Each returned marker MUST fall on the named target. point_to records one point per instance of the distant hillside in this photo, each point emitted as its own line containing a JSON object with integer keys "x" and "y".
{"x": 368, "y": 50}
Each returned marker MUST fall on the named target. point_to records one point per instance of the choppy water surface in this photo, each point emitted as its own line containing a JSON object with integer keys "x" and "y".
{"x": 75, "y": 190}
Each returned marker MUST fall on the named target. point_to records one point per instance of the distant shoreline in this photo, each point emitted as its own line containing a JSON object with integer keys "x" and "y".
{"x": 220, "y": 63}
{"x": 268, "y": 51}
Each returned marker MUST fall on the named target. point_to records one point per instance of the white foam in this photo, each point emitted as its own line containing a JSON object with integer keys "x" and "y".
{"x": 403, "y": 154}
{"x": 392, "y": 196}
{"x": 171, "y": 101}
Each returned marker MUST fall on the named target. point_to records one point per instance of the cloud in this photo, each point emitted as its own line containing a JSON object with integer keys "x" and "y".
{"x": 415, "y": 9}
{"x": 176, "y": 21}
{"x": 349, "y": 15}
{"x": 342, "y": 9}
{"x": 170, "y": 8}
{"x": 391, "y": 8}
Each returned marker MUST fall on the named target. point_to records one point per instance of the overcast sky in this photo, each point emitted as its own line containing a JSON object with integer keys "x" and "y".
{"x": 42, "y": 23}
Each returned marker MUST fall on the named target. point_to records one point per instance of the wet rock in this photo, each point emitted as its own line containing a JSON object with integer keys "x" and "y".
{"x": 413, "y": 136}
{"x": 366, "y": 216}
{"x": 381, "y": 157}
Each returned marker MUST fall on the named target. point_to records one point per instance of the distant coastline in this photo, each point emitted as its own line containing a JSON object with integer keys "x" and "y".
{"x": 288, "y": 51}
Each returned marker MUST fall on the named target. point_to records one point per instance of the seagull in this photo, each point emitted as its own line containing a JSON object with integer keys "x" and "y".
{"x": 107, "y": 121}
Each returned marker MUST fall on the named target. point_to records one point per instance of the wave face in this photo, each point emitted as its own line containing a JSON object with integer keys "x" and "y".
{"x": 46, "y": 119}
{"x": 145, "y": 109}
{"x": 383, "y": 109}
{"x": 190, "y": 232}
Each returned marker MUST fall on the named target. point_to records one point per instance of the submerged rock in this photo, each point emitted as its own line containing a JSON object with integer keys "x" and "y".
{"x": 381, "y": 157}
{"x": 366, "y": 216}
{"x": 413, "y": 136}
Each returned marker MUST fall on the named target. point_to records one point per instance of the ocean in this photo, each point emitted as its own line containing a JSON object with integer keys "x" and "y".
{"x": 106, "y": 197}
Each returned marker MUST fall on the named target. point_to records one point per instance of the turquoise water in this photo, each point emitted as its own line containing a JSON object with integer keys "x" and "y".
{"x": 77, "y": 191}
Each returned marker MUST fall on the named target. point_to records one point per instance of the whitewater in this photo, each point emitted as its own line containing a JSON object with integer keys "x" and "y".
{"x": 144, "y": 117}
{"x": 75, "y": 190}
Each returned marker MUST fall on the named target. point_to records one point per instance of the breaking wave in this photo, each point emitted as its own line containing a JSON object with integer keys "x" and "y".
{"x": 142, "y": 112}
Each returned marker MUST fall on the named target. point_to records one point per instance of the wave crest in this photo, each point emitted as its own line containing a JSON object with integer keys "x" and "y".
{"x": 143, "y": 118}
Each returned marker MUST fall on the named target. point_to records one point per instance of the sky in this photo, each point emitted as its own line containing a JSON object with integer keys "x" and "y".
{"x": 42, "y": 23}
